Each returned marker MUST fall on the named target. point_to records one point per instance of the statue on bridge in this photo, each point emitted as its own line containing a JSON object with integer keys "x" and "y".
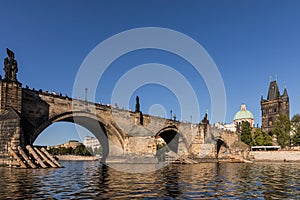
{"x": 137, "y": 104}
{"x": 10, "y": 66}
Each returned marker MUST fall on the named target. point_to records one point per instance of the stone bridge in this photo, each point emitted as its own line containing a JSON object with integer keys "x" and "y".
{"x": 25, "y": 113}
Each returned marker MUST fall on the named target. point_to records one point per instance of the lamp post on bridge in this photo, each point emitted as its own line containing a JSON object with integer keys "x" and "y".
{"x": 86, "y": 90}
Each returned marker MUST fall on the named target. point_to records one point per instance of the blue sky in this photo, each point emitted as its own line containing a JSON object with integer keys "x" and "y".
{"x": 248, "y": 40}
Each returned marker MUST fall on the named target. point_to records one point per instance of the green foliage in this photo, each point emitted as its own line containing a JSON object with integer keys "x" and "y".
{"x": 80, "y": 150}
{"x": 246, "y": 133}
{"x": 282, "y": 130}
{"x": 296, "y": 138}
{"x": 257, "y": 138}
{"x": 296, "y": 118}
{"x": 53, "y": 151}
{"x": 261, "y": 138}
{"x": 90, "y": 150}
{"x": 296, "y": 130}
{"x": 95, "y": 151}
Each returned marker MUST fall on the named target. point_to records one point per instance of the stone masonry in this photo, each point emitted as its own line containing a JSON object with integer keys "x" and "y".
{"x": 25, "y": 113}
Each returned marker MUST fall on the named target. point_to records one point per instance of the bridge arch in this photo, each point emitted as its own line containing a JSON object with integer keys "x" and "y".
{"x": 221, "y": 146}
{"x": 108, "y": 134}
{"x": 173, "y": 138}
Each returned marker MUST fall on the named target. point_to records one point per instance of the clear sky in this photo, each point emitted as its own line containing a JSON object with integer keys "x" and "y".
{"x": 249, "y": 41}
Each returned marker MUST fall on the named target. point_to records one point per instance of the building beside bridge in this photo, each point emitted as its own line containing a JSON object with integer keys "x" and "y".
{"x": 243, "y": 115}
{"x": 70, "y": 144}
{"x": 91, "y": 142}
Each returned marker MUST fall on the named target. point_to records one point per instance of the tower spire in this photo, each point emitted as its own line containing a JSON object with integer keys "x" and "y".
{"x": 285, "y": 90}
{"x": 273, "y": 106}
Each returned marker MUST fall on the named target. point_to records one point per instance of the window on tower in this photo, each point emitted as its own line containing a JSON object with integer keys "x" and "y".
{"x": 270, "y": 121}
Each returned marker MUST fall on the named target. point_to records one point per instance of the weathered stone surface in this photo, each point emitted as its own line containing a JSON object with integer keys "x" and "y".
{"x": 25, "y": 113}
{"x": 273, "y": 106}
{"x": 116, "y": 129}
{"x": 275, "y": 155}
{"x": 10, "y": 133}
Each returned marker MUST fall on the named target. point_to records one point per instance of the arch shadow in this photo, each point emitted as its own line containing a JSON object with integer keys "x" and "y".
{"x": 107, "y": 134}
{"x": 220, "y": 143}
{"x": 172, "y": 137}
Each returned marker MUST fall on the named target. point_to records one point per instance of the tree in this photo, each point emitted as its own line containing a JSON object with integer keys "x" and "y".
{"x": 82, "y": 151}
{"x": 90, "y": 149}
{"x": 296, "y": 138}
{"x": 68, "y": 151}
{"x": 282, "y": 130}
{"x": 296, "y": 118}
{"x": 53, "y": 151}
{"x": 295, "y": 122}
{"x": 261, "y": 138}
{"x": 246, "y": 133}
{"x": 98, "y": 151}
{"x": 79, "y": 150}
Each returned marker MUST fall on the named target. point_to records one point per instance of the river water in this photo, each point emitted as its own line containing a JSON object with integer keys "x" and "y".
{"x": 90, "y": 180}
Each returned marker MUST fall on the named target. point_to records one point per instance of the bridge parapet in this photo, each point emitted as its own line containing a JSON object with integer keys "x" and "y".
{"x": 134, "y": 136}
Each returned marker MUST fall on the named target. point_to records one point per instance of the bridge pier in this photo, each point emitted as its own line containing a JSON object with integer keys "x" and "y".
{"x": 10, "y": 118}
{"x": 10, "y": 134}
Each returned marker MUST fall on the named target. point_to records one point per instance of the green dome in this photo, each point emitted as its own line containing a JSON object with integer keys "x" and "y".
{"x": 243, "y": 113}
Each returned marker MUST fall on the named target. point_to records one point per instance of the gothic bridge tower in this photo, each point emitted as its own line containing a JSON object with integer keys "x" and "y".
{"x": 273, "y": 106}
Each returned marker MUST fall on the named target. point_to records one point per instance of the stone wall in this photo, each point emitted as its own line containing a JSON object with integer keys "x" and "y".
{"x": 10, "y": 119}
{"x": 128, "y": 133}
{"x": 77, "y": 158}
{"x": 10, "y": 96}
{"x": 10, "y": 134}
{"x": 275, "y": 155}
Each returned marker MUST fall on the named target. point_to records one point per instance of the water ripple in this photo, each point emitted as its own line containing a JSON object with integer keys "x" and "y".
{"x": 90, "y": 180}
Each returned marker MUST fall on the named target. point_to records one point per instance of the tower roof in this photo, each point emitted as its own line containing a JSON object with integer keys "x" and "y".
{"x": 243, "y": 113}
{"x": 273, "y": 91}
{"x": 285, "y": 92}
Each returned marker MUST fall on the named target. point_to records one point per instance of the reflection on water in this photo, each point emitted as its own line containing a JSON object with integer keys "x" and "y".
{"x": 90, "y": 180}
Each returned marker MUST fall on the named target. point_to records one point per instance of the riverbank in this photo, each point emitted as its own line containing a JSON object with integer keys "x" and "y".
{"x": 256, "y": 156}
{"x": 280, "y": 156}
{"x": 77, "y": 158}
